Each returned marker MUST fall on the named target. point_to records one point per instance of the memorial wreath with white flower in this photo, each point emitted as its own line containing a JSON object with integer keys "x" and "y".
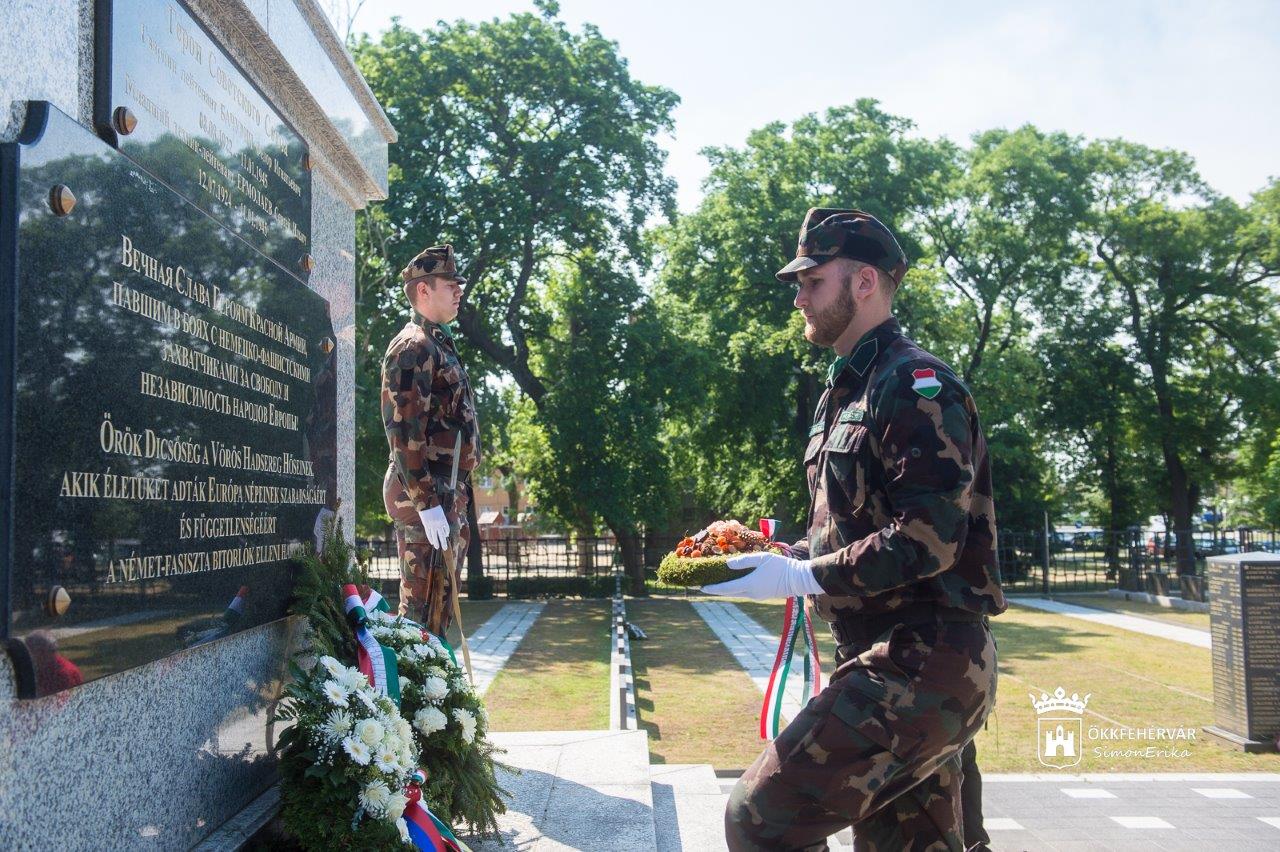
{"x": 388, "y": 745}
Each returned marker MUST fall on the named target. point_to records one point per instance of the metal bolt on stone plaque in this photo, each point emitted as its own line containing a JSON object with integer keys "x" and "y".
{"x": 1244, "y": 615}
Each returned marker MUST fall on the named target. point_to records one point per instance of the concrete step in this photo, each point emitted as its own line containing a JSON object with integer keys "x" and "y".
{"x": 576, "y": 790}
{"x": 688, "y": 807}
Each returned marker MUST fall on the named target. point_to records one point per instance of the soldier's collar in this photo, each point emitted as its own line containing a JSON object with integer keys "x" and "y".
{"x": 867, "y": 349}
{"x": 445, "y": 328}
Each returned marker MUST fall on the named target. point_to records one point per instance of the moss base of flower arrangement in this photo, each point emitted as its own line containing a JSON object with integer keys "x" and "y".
{"x": 702, "y": 571}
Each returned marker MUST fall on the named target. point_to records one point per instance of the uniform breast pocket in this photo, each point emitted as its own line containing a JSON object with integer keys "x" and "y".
{"x": 846, "y": 466}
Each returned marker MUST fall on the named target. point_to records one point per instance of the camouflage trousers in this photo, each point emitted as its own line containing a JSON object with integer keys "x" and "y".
{"x": 878, "y": 749}
{"x": 424, "y": 583}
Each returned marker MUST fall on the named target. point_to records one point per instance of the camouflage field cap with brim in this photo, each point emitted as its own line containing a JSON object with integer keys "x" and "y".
{"x": 829, "y": 233}
{"x": 437, "y": 260}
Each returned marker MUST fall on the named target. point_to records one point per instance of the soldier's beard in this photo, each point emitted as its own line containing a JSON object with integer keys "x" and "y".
{"x": 826, "y": 327}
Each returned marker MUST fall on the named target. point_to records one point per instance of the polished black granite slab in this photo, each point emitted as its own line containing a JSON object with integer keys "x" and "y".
{"x": 169, "y": 418}
{"x": 202, "y": 127}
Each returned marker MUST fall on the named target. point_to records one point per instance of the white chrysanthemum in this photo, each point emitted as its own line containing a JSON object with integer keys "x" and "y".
{"x": 435, "y": 688}
{"x": 375, "y": 797}
{"x": 386, "y": 760}
{"x": 395, "y": 808}
{"x": 467, "y": 722}
{"x": 332, "y": 666}
{"x": 335, "y": 693}
{"x": 369, "y": 731}
{"x": 358, "y": 751}
{"x": 404, "y": 681}
{"x": 403, "y": 828}
{"x": 352, "y": 679}
{"x": 421, "y": 652}
{"x": 428, "y": 720}
{"x": 368, "y": 698}
{"x": 337, "y": 726}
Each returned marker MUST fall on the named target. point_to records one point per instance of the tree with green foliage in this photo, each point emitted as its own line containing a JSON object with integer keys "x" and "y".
{"x": 756, "y": 381}
{"x": 1194, "y": 273}
{"x": 593, "y": 448}
{"x": 522, "y": 144}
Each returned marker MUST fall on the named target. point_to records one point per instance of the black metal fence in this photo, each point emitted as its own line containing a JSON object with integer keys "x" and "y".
{"x": 515, "y": 559}
{"x": 1096, "y": 560}
{"x": 1030, "y": 562}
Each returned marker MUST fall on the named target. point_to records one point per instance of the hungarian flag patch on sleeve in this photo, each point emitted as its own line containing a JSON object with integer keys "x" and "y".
{"x": 926, "y": 383}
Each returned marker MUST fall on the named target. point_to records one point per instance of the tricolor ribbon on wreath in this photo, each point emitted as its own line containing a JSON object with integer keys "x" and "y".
{"x": 427, "y": 831}
{"x": 377, "y": 662}
{"x": 796, "y": 622}
{"x": 372, "y": 600}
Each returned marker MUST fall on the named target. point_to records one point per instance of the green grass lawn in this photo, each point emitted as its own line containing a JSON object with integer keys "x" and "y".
{"x": 1135, "y": 681}
{"x": 1199, "y": 620}
{"x": 693, "y": 698}
{"x": 558, "y": 679}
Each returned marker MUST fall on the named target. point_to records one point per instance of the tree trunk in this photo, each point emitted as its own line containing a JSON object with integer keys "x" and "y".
{"x": 475, "y": 556}
{"x": 632, "y": 556}
{"x": 1112, "y": 485}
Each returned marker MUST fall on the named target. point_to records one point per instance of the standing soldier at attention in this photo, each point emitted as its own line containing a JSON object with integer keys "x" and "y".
{"x": 900, "y": 560}
{"x": 430, "y": 417}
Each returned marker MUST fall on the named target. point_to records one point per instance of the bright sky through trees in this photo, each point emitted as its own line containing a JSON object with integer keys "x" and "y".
{"x": 1198, "y": 76}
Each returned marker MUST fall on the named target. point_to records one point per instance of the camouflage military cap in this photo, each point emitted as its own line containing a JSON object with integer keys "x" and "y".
{"x": 437, "y": 260}
{"x": 829, "y": 233}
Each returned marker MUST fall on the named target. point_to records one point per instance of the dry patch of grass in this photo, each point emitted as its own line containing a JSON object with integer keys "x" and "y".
{"x": 693, "y": 698}
{"x": 558, "y": 679}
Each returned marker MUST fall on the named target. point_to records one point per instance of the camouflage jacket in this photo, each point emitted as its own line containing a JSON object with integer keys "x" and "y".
{"x": 900, "y": 486}
{"x": 426, "y": 402}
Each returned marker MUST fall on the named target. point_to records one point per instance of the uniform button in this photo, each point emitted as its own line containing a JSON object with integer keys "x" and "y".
{"x": 915, "y": 452}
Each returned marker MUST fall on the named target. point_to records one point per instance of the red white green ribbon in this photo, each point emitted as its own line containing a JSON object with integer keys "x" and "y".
{"x": 428, "y": 832}
{"x": 371, "y": 601}
{"x": 377, "y": 662}
{"x": 796, "y": 622}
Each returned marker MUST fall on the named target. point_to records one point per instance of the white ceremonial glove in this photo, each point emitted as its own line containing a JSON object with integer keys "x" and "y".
{"x": 775, "y": 576}
{"x": 437, "y": 527}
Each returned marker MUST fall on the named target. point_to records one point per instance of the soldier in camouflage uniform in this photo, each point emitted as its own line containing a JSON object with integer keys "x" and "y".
{"x": 427, "y": 407}
{"x": 900, "y": 560}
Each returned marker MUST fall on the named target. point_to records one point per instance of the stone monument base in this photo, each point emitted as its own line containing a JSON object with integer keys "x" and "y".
{"x": 1237, "y": 742}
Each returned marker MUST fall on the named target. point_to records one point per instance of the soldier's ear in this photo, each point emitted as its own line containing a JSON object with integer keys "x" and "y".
{"x": 865, "y": 282}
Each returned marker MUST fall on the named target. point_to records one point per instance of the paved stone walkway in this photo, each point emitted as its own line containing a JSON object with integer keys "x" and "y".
{"x": 494, "y": 641}
{"x": 754, "y": 648}
{"x": 1126, "y": 813}
{"x": 1137, "y": 624}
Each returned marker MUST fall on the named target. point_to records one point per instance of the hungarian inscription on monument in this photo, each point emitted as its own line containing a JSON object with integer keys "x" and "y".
{"x": 172, "y": 100}
{"x": 174, "y": 413}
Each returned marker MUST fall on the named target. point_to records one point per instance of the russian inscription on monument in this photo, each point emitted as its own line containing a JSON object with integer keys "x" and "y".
{"x": 1244, "y": 611}
{"x": 173, "y": 406}
{"x": 174, "y": 101}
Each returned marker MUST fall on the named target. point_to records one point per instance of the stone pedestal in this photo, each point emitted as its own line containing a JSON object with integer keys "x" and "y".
{"x": 1244, "y": 611}
{"x": 1158, "y": 583}
{"x": 245, "y": 124}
